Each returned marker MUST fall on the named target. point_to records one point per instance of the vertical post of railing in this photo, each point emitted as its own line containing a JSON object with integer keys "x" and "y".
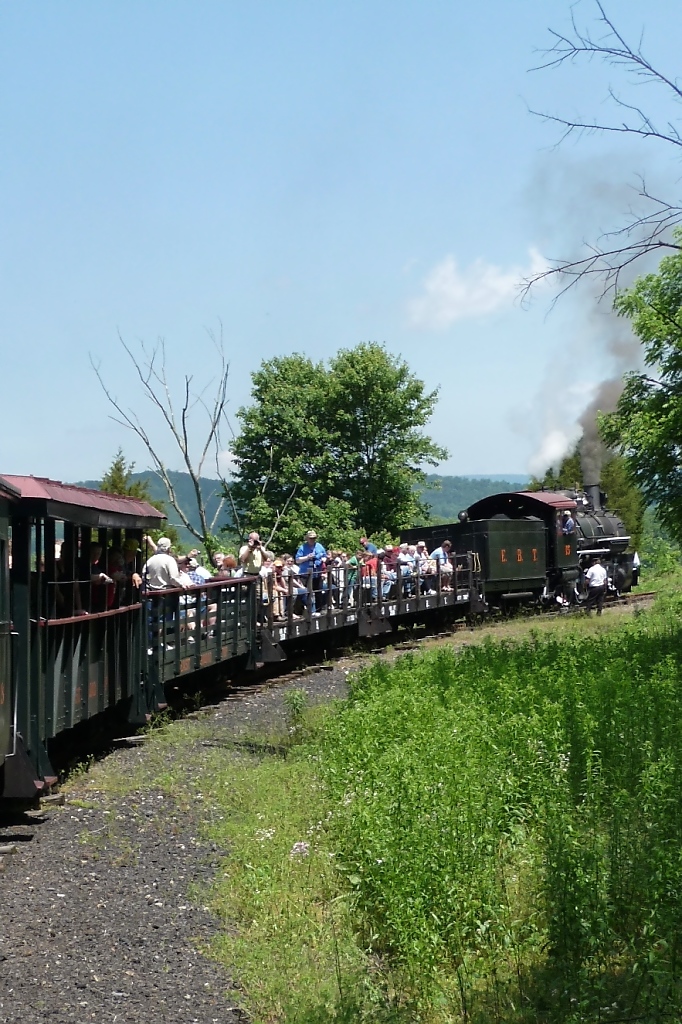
{"x": 251, "y": 624}
{"x": 218, "y": 624}
{"x": 439, "y": 580}
{"x": 198, "y": 595}
{"x": 270, "y": 594}
{"x": 290, "y": 601}
{"x": 49, "y": 577}
{"x": 236, "y": 612}
{"x": 343, "y": 591}
{"x": 330, "y": 596}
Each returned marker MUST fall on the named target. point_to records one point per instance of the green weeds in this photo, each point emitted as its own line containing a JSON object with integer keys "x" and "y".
{"x": 487, "y": 836}
{"x": 509, "y": 820}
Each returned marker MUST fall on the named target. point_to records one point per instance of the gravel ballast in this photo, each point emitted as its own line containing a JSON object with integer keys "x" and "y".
{"x": 98, "y": 917}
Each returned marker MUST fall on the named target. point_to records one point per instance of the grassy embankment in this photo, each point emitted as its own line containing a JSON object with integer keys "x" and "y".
{"x": 491, "y": 835}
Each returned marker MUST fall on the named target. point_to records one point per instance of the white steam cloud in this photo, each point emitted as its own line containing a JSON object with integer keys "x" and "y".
{"x": 450, "y": 293}
{"x": 553, "y": 448}
{"x": 570, "y": 200}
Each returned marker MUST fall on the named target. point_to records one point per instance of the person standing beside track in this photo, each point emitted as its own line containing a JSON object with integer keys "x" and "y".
{"x": 596, "y": 578}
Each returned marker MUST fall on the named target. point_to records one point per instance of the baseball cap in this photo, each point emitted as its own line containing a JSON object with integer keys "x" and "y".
{"x": 311, "y": 533}
{"x": 163, "y": 544}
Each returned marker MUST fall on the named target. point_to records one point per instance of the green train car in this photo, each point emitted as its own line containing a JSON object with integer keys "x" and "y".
{"x": 8, "y": 497}
{"x": 84, "y": 645}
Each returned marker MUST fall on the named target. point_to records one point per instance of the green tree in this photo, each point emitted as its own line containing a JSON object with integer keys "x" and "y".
{"x": 646, "y": 427}
{"x": 338, "y": 447}
{"x": 624, "y": 497}
{"x": 118, "y": 479}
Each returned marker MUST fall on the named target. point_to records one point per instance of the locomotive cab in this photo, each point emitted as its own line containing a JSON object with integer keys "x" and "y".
{"x": 559, "y": 549}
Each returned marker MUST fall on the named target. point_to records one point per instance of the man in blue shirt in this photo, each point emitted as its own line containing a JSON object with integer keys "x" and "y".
{"x": 310, "y": 559}
{"x": 368, "y": 546}
{"x": 442, "y": 554}
{"x": 567, "y": 524}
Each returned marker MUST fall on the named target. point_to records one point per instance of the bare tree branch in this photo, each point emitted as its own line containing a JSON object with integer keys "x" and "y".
{"x": 152, "y": 375}
{"x": 278, "y": 516}
{"x": 643, "y": 234}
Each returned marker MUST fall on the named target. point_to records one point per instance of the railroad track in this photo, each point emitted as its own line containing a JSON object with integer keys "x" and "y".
{"x": 18, "y": 824}
{"x": 307, "y": 663}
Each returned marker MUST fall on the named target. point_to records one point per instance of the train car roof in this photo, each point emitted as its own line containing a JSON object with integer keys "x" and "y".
{"x": 81, "y": 505}
{"x": 7, "y": 490}
{"x": 524, "y": 503}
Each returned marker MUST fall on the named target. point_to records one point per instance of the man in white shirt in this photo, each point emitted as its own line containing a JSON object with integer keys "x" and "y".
{"x": 161, "y": 571}
{"x": 596, "y": 578}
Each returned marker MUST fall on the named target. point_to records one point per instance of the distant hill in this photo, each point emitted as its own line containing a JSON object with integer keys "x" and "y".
{"x": 184, "y": 490}
{"x": 458, "y": 492}
{"x": 454, "y": 494}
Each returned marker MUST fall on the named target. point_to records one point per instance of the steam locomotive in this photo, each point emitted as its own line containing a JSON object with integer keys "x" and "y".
{"x": 537, "y": 545}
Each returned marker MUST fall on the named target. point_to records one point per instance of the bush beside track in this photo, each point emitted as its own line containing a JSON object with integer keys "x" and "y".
{"x": 492, "y": 835}
{"x": 510, "y": 820}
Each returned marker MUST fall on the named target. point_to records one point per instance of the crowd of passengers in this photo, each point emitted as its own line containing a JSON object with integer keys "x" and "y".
{"x": 314, "y": 578}
{"x": 318, "y": 578}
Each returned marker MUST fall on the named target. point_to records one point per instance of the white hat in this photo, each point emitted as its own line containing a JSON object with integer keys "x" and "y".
{"x": 163, "y": 544}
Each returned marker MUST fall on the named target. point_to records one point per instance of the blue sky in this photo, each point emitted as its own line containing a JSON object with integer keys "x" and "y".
{"x": 313, "y": 174}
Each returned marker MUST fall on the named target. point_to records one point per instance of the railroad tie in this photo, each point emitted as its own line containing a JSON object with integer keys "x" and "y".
{"x": 53, "y": 800}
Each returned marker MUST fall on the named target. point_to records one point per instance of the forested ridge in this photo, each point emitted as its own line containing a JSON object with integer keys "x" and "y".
{"x": 446, "y": 500}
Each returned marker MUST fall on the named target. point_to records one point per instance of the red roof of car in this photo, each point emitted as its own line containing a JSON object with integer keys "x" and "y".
{"x": 7, "y": 490}
{"x": 110, "y": 506}
{"x": 527, "y": 503}
{"x": 554, "y": 498}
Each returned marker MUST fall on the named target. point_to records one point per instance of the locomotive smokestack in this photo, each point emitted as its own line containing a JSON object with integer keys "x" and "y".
{"x": 594, "y": 494}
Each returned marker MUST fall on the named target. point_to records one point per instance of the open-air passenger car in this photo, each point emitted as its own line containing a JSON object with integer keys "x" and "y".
{"x": 8, "y": 495}
{"x": 78, "y": 648}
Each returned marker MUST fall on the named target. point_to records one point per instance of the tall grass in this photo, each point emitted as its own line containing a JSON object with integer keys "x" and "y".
{"x": 510, "y": 821}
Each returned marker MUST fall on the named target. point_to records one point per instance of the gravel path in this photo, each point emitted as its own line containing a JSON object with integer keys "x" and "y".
{"x": 96, "y": 922}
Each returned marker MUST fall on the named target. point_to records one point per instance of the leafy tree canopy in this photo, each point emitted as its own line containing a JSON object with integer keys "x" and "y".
{"x": 337, "y": 448}
{"x": 622, "y": 494}
{"x": 646, "y": 427}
